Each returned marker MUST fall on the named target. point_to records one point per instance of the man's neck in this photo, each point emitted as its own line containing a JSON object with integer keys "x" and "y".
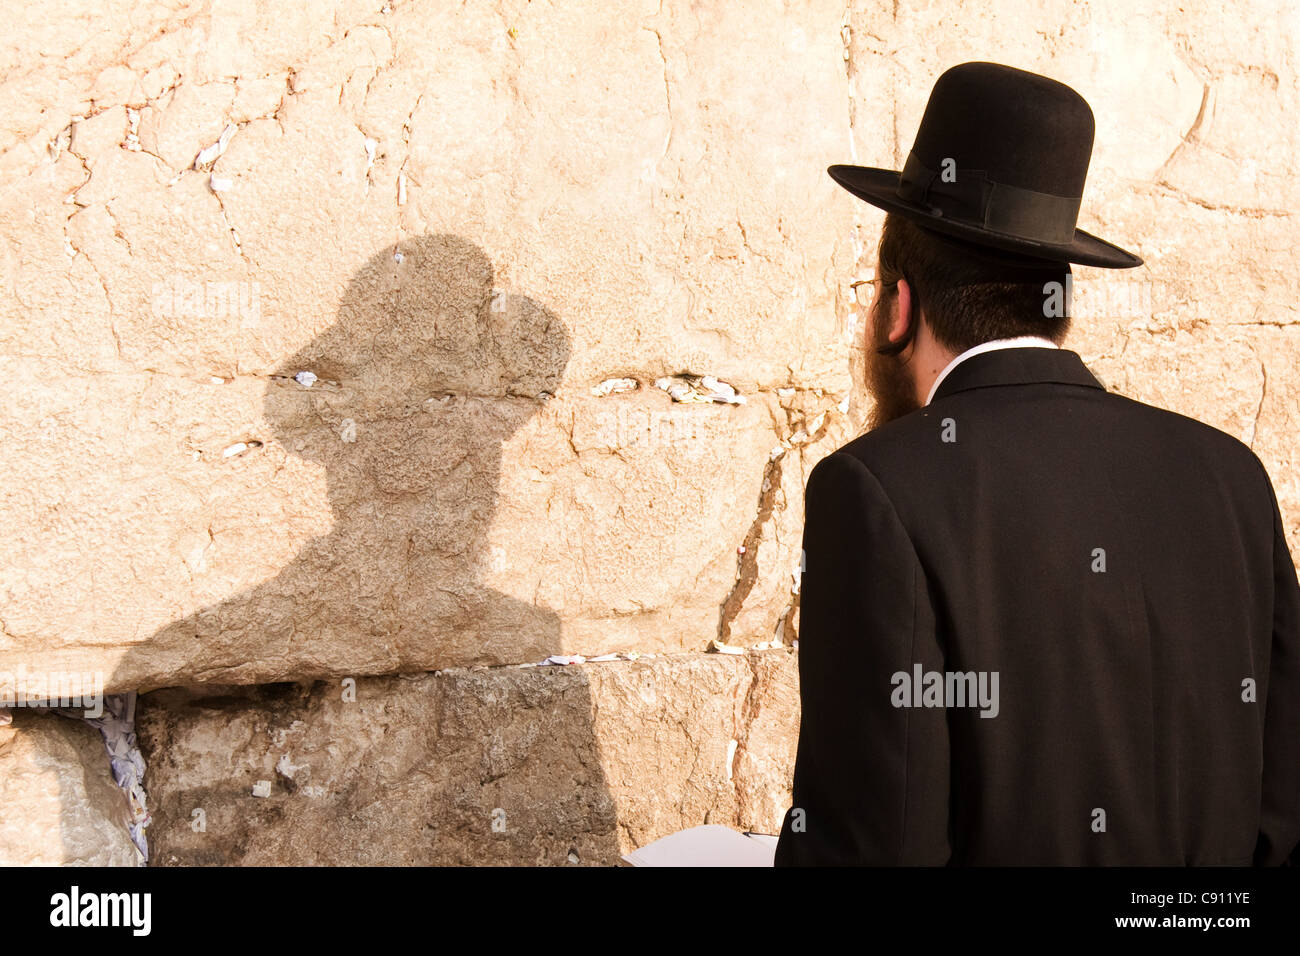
{"x": 929, "y": 360}
{"x": 931, "y": 371}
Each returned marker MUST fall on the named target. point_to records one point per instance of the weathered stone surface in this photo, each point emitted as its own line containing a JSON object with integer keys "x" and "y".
{"x": 197, "y": 214}
{"x": 553, "y": 234}
{"x": 768, "y": 571}
{"x": 592, "y": 759}
{"x": 464, "y": 520}
{"x": 461, "y": 220}
{"x": 58, "y": 802}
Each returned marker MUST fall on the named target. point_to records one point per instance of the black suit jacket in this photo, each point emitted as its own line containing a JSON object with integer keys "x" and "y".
{"x": 1121, "y": 568}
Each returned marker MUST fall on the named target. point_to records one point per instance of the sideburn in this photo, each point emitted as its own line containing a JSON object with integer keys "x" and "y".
{"x": 889, "y": 378}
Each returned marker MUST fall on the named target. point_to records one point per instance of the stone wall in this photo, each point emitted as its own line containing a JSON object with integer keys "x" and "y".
{"x": 58, "y": 802}
{"x": 461, "y": 220}
{"x": 535, "y": 766}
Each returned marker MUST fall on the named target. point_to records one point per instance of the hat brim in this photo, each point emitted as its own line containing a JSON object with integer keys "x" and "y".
{"x": 880, "y": 188}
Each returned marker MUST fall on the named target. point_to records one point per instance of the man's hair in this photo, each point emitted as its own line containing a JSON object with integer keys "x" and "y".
{"x": 970, "y": 294}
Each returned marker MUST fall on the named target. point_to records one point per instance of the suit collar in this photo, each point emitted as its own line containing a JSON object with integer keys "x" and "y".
{"x": 1007, "y": 343}
{"x": 1018, "y": 366}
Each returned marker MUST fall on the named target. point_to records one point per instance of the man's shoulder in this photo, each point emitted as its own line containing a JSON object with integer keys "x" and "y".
{"x": 1186, "y": 439}
{"x": 911, "y": 438}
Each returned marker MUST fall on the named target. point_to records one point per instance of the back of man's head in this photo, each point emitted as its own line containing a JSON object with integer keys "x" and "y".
{"x": 972, "y": 294}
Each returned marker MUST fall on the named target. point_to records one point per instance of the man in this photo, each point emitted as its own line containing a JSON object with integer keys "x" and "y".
{"x": 1040, "y": 623}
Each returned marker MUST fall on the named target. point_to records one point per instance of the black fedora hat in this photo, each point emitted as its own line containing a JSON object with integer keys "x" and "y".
{"x": 999, "y": 161}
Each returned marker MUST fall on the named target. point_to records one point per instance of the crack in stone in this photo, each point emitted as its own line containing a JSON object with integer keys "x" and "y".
{"x": 747, "y": 572}
{"x": 748, "y": 714}
{"x": 1263, "y": 393}
{"x": 668, "y": 96}
{"x": 1191, "y": 134}
{"x": 234, "y": 235}
{"x": 1164, "y": 187}
{"x": 747, "y": 561}
{"x": 744, "y": 238}
{"x": 402, "y": 178}
{"x": 850, "y": 74}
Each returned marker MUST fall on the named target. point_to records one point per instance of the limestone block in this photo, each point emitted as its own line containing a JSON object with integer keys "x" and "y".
{"x": 458, "y": 247}
{"x": 535, "y": 766}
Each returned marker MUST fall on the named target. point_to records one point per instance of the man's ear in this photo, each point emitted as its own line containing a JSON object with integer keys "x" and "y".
{"x": 900, "y": 311}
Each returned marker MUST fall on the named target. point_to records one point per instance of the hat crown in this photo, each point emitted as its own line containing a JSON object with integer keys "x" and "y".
{"x": 1019, "y": 128}
{"x": 999, "y": 161}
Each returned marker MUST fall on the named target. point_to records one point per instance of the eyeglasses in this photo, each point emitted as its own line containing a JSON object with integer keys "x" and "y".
{"x": 864, "y": 299}
{"x": 863, "y": 302}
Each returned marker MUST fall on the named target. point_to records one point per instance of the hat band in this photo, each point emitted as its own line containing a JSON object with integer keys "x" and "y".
{"x": 974, "y": 199}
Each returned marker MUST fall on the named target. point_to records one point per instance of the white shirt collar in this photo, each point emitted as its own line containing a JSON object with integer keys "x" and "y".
{"x": 1019, "y": 341}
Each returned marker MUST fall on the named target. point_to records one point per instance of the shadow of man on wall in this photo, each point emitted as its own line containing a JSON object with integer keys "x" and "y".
{"x": 405, "y": 401}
